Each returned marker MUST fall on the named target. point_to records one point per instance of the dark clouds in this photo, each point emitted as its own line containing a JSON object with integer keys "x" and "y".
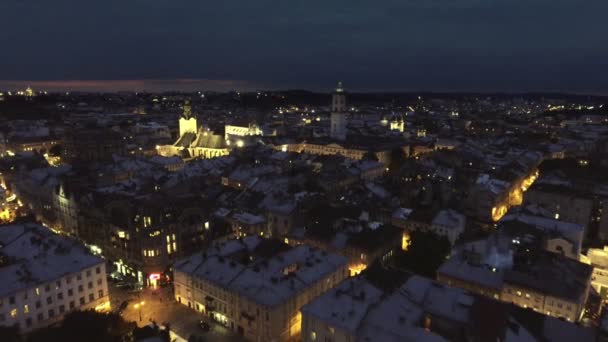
{"x": 511, "y": 45}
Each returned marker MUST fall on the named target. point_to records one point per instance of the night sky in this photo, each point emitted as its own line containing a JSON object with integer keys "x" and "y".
{"x": 430, "y": 45}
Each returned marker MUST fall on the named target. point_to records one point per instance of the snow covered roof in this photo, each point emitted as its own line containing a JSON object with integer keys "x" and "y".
{"x": 40, "y": 256}
{"x": 264, "y": 280}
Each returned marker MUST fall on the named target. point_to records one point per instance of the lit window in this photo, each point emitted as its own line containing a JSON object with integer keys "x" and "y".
{"x": 174, "y": 246}
{"x": 313, "y": 335}
{"x": 26, "y": 309}
{"x": 519, "y": 293}
{"x": 14, "y": 313}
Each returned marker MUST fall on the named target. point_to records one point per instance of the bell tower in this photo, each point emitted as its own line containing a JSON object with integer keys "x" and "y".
{"x": 187, "y": 122}
{"x": 338, "y": 114}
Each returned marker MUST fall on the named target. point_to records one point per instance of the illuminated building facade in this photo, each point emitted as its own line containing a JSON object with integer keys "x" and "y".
{"x": 548, "y": 283}
{"x": 46, "y": 277}
{"x": 598, "y": 258}
{"x": 195, "y": 141}
{"x": 256, "y": 287}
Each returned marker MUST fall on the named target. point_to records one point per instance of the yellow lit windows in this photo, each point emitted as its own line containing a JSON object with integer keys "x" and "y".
{"x": 147, "y": 221}
{"x": 26, "y": 309}
{"x": 14, "y": 313}
{"x": 405, "y": 241}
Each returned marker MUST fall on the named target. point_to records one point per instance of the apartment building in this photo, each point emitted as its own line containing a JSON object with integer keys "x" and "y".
{"x": 43, "y": 276}
{"x": 256, "y": 287}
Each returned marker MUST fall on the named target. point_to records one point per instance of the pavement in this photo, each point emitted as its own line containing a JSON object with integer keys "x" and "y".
{"x": 159, "y": 306}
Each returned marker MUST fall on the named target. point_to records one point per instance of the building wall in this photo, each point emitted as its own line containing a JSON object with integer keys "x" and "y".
{"x": 562, "y": 246}
{"x": 46, "y": 303}
{"x": 547, "y": 305}
{"x": 316, "y": 330}
{"x": 208, "y": 153}
{"x": 470, "y": 286}
{"x": 241, "y": 131}
{"x": 187, "y": 126}
{"x": 566, "y": 207}
{"x": 245, "y": 317}
{"x": 603, "y": 219}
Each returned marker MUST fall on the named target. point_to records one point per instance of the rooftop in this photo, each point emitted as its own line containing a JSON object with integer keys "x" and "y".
{"x": 267, "y": 279}
{"x": 32, "y": 255}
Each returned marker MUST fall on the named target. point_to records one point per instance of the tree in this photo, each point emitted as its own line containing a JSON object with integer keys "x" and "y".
{"x": 151, "y": 331}
{"x": 90, "y": 326}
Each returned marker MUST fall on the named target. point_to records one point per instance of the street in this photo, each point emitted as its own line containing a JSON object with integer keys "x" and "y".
{"x": 159, "y": 306}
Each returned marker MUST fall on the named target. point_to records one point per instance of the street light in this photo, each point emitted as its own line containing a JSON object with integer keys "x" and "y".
{"x": 138, "y": 306}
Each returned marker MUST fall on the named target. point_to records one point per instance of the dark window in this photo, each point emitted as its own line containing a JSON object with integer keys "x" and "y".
{"x": 90, "y": 285}
{"x": 72, "y": 304}
{"x": 11, "y": 300}
{"x": 91, "y": 297}
{"x": 58, "y": 283}
{"x": 97, "y": 269}
{"x": 88, "y": 273}
{"x": 78, "y": 277}
{"x": 2, "y": 318}
{"x": 68, "y": 280}
{"x": 49, "y": 300}
{"x": 47, "y": 288}
{"x": 61, "y": 308}
{"x": 60, "y": 295}
{"x": 80, "y": 288}
{"x": 37, "y": 304}
{"x": 99, "y": 281}
{"x": 28, "y": 322}
{"x": 100, "y": 293}
{"x": 81, "y": 300}
{"x": 51, "y": 313}
{"x": 70, "y": 292}
{"x": 40, "y": 317}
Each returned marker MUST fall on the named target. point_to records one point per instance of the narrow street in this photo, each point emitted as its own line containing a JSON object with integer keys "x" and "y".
{"x": 159, "y": 306}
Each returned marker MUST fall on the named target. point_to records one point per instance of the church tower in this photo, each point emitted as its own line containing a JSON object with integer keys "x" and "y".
{"x": 187, "y": 122}
{"x": 338, "y": 114}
